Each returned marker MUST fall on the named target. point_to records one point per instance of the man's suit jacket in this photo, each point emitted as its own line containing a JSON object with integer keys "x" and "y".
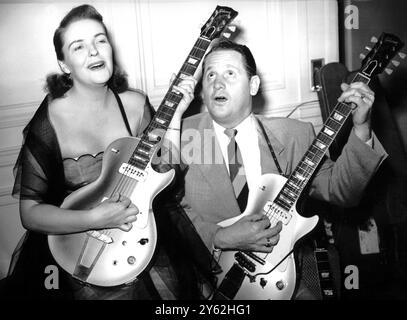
{"x": 209, "y": 196}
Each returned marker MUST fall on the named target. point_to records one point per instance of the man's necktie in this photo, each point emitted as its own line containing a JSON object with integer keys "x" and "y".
{"x": 236, "y": 170}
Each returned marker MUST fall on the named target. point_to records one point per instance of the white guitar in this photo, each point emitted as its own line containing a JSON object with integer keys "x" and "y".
{"x": 113, "y": 257}
{"x": 260, "y": 276}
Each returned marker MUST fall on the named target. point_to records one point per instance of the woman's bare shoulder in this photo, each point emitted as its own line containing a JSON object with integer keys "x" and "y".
{"x": 133, "y": 99}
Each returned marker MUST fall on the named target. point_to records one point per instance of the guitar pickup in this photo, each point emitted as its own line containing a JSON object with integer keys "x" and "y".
{"x": 275, "y": 211}
{"x": 244, "y": 262}
{"x": 133, "y": 172}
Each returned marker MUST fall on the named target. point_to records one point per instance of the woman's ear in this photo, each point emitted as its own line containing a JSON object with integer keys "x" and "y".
{"x": 64, "y": 67}
{"x": 254, "y": 84}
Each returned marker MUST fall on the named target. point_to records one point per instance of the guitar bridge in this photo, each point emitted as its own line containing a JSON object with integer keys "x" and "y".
{"x": 133, "y": 172}
{"x": 100, "y": 236}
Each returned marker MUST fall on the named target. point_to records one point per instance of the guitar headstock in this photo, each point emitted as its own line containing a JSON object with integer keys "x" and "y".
{"x": 216, "y": 24}
{"x": 384, "y": 50}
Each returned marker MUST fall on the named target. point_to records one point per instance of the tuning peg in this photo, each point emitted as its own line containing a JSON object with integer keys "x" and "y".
{"x": 227, "y": 35}
{"x": 395, "y": 63}
{"x": 232, "y": 28}
{"x": 373, "y": 40}
{"x": 388, "y": 71}
{"x": 402, "y": 55}
{"x": 368, "y": 48}
{"x": 362, "y": 56}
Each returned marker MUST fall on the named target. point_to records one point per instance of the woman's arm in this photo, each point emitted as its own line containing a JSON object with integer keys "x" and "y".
{"x": 116, "y": 212}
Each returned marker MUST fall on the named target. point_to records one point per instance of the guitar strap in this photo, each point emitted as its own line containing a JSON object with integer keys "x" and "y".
{"x": 273, "y": 154}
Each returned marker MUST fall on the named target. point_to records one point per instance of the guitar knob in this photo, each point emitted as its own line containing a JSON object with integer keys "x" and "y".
{"x": 131, "y": 260}
{"x": 263, "y": 282}
{"x": 280, "y": 285}
{"x": 143, "y": 241}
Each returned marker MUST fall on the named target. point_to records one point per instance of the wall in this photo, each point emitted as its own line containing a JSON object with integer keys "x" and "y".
{"x": 153, "y": 38}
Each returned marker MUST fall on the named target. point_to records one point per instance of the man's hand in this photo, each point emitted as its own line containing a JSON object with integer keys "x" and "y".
{"x": 362, "y": 97}
{"x": 252, "y": 232}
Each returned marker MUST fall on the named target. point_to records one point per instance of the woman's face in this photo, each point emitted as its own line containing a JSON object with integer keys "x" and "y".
{"x": 87, "y": 53}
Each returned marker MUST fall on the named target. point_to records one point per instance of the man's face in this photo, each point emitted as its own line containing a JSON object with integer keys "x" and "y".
{"x": 226, "y": 87}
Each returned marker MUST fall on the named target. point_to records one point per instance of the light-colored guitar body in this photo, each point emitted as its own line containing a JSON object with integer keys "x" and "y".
{"x": 112, "y": 257}
{"x": 278, "y": 284}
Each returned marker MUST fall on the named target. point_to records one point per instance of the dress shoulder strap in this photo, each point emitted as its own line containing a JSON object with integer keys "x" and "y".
{"x": 123, "y": 112}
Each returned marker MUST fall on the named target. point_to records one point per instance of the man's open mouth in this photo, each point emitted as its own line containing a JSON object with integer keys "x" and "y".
{"x": 221, "y": 98}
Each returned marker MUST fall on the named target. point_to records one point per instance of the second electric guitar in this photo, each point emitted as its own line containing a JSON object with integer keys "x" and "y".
{"x": 259, "y": 276}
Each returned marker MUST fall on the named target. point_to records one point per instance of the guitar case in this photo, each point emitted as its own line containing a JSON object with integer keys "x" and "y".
{"x": 381, "y": 274}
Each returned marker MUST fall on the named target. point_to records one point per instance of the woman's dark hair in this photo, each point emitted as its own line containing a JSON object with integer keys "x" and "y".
{"x": 225, "y": 44}
{"x": 58, "y": 84}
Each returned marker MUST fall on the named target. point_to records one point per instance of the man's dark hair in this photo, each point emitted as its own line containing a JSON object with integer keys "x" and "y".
{"x": 250, "y": 63}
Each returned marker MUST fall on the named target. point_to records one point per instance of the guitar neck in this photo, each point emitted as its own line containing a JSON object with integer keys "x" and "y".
{"x": 299, "y": 178}
{"x": 158, "y": 126}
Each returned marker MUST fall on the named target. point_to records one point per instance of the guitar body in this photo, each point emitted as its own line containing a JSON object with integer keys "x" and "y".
{"x": 117, "y": 256}
{"x": 278, "y": 284}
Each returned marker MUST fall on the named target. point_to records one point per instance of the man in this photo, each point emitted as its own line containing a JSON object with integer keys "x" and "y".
{"x": 228, "y": 85}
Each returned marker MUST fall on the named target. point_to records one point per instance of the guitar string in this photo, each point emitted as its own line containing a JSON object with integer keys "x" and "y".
{"x": 344, "y": 110}
{"x": 126, "y": 184}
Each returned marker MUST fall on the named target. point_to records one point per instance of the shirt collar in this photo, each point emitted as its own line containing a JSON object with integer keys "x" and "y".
{"x": 244, "y": 127}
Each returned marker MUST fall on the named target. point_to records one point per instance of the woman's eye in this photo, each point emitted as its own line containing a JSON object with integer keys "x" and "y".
{"x": 230, "y": 73}
{"x": 78, "y": 47}
{"x": 211, "y": 75}
{"x": 102, "y": 41}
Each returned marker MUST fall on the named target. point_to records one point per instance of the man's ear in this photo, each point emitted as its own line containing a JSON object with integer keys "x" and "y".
{"x": 64, "y": 67}
{"x": 254, "y": 84}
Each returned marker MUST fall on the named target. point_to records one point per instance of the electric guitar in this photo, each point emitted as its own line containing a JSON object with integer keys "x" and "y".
{"x": 259, "y": 276}
{"x": 113, "y": 257}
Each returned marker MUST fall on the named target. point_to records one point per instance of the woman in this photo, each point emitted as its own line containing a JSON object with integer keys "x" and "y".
{"x": 87, "y": 108}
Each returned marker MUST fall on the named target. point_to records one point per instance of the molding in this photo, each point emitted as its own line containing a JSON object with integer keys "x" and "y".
{"x": 17, "y": 115}
{"x": 8, "y": 156}
{"x": 6, "y": 198}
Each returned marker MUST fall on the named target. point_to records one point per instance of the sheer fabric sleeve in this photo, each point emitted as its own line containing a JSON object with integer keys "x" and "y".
{"x": 38, "y": 170}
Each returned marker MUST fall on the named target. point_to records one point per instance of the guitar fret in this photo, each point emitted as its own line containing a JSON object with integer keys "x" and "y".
{"x": 305, "y": 170}
{"x": 293, "y": 185}
{"x": 193, "y": 60}
{"x": 333, "y": 124}
{"x": 160, "y": 121}
{"x": 309, "y": 162}
{"x": 328, "y": 131}
{"x": 188, "y": 69}
{"x": 286, "y": 199}
{"x": 339, "y": 117}
{"x": 165, "y": 112}
{"x": 320, "y": 145}
{"x": 169, "y": 103}
{"x": 288, "y": 194}
{"x": 282, "y": 204}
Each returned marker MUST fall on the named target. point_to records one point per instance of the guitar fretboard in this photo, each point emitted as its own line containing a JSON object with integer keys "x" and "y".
{"x": 316, "y": 152}
{"x": 158, "y": 126}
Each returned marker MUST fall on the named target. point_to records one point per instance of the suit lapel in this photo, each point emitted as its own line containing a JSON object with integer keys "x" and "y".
{"x": 267, "y": 162}
{"x": 214, "y": 168}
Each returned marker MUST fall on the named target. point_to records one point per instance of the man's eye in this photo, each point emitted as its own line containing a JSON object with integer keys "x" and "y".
{"x": 230, "y": 73}
{"x": 102, "y": 41}
{"x": 211, "y": 75}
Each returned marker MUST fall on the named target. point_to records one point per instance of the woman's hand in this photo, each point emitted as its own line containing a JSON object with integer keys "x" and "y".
{"x": 115, "y": 212}
{"x": 187, "y": 88}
